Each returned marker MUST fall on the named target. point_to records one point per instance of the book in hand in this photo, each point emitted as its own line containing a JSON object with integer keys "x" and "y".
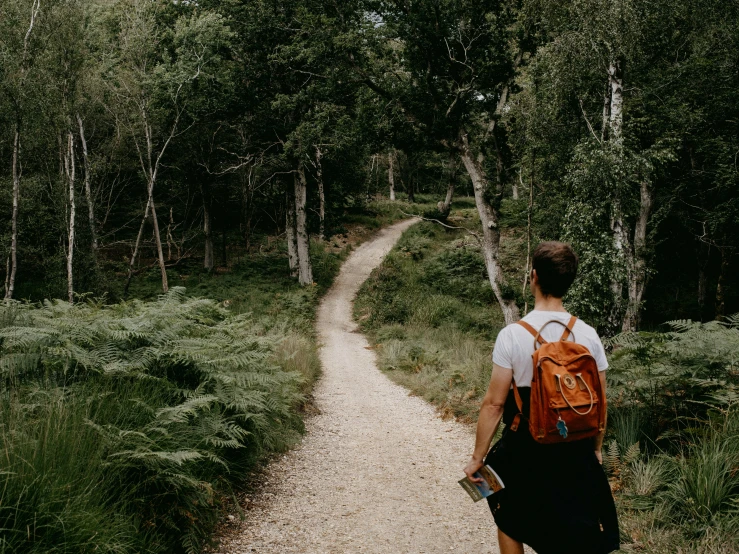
{"x": 491, "y": 483}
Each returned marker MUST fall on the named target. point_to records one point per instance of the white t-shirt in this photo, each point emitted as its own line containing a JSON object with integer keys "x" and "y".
{"x": 515, "y": 345}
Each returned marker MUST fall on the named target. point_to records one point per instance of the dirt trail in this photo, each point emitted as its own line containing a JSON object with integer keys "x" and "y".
{"x": 377, "y": 471}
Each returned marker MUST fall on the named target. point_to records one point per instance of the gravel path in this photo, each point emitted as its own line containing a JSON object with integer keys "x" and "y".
{"x": 377, "y": 471}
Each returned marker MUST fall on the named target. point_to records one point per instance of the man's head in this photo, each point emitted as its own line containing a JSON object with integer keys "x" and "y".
{"x": 554, "y": 268}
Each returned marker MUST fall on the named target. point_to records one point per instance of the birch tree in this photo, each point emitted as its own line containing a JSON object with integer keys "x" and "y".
{"x": 70, "y": 172}
{"x": 88, "y": 189}
{"x": 616, "y": 119}
{"x": 391, "y": 173}
{"x": 453, "y": 65}
{"x": 16, "y": 83}
{"x": 305, "y": 268}
{"x": 154, "y": 92}
{"x": 64, "y": 67}
{"x": 445, "y": 205}
{"x": 291, "y": 232}
{"x": 312, "y": 111}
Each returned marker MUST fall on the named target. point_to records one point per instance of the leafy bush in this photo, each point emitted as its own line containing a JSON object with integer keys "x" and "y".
{"x": 459, "y": 268}
{"x": 122, "y": 425}
{"x": 677, "y": 393}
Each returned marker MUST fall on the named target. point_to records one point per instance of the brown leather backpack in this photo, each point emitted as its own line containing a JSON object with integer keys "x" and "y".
{"x": 567, "y": 402}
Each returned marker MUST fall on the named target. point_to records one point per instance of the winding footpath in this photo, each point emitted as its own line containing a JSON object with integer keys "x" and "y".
{"x": 377, "y": 470}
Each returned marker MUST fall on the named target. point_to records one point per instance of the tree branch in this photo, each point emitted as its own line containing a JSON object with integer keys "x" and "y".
{"x": 439, "y": 222}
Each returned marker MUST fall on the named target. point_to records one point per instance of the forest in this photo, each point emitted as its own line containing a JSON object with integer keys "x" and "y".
{"x": 140, "y": 134}
{"x": 179, "y": 179}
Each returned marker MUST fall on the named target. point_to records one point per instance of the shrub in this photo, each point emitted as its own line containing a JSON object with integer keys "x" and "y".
{"x": 706, "y": 484}
{"x": 677, "y": 393}
{"x": 121, "y": 424}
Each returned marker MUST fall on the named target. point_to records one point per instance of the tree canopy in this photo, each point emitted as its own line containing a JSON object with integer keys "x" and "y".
{"x": 135, "y": 133}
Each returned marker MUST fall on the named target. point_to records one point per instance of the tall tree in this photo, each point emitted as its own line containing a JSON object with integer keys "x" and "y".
{"x": 453, "y": 63}
{"x": 154, "y": 79}
{"x": 18, "y": 59}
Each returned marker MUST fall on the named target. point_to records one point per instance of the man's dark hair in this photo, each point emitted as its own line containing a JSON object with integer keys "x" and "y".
{"x": 556, "y": 266}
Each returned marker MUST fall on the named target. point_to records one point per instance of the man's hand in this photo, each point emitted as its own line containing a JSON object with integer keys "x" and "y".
{"x": 599, "y": 455}
{"x": 472, "y": 467}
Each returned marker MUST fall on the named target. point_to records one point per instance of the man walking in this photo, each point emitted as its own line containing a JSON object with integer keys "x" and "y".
{"x": 556, "y": 497}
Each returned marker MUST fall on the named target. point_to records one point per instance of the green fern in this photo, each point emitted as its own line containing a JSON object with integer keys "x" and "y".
{"x": 612, "y": 458}
{"x": 171, "y": 395}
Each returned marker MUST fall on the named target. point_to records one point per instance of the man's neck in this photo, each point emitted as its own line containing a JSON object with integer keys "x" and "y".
{"x": 548, "y": 304}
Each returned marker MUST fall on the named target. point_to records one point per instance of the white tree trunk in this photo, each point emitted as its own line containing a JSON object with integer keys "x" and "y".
{"x": 449, "y": 195}
{"x": 88, "y": 190}
{"x": 150, "y": 167}
{"x": 305, "y": 270}
{"x": 7, "y": 273}
{"x": 69, "y": 168}
{"x": 615, "y": 74}
{"x": 637, "y": 263}
{"x": 446, "y": 206}
{"x": 16, "y": 170}
{"x": 390, "y": 174}
{"x": 490, "y": 241}
{"x": 605, "y": 124}
{"x": 618, "y": 229}
{"x": 158, "y": 239}
{"x": 10, "y": 276}
{"x": 170, "y": 237}
{"x": 321, "y": 195}
{"x": 292, "y": 244}
{"x": 514, "y": 192}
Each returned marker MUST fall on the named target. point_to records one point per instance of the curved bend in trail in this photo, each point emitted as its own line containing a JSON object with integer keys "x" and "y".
{"x": 377, "y": 471}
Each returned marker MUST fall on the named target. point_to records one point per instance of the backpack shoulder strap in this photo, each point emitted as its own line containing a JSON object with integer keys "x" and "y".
{"x": 569, "y": 329}
{"x": 534, "y": 332}
{"x": 519, "y": 404}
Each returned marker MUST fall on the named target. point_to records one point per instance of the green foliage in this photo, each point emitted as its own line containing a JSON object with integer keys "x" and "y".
{"x": 688, "y": 371}
{"x": 676, "y": 394}
{"x": 431, "y": 312}
{"x": 598, "y": 173}
{"x": 123, "y": 424}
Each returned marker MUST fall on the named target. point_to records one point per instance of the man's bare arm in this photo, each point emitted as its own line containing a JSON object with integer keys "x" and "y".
{"x": 491, "y": 413}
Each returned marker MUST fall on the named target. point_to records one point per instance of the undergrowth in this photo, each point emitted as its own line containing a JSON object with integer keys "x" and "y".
{"x": 431, "y": 312}
{"x": 125, "y": 427}
{"x": 122, "y": 425}
{"x": 672, "y": 450}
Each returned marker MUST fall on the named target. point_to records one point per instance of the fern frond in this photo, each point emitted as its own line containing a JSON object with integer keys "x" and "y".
{"x": 612, "y": 457}
{"x": 632, "y": 454}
